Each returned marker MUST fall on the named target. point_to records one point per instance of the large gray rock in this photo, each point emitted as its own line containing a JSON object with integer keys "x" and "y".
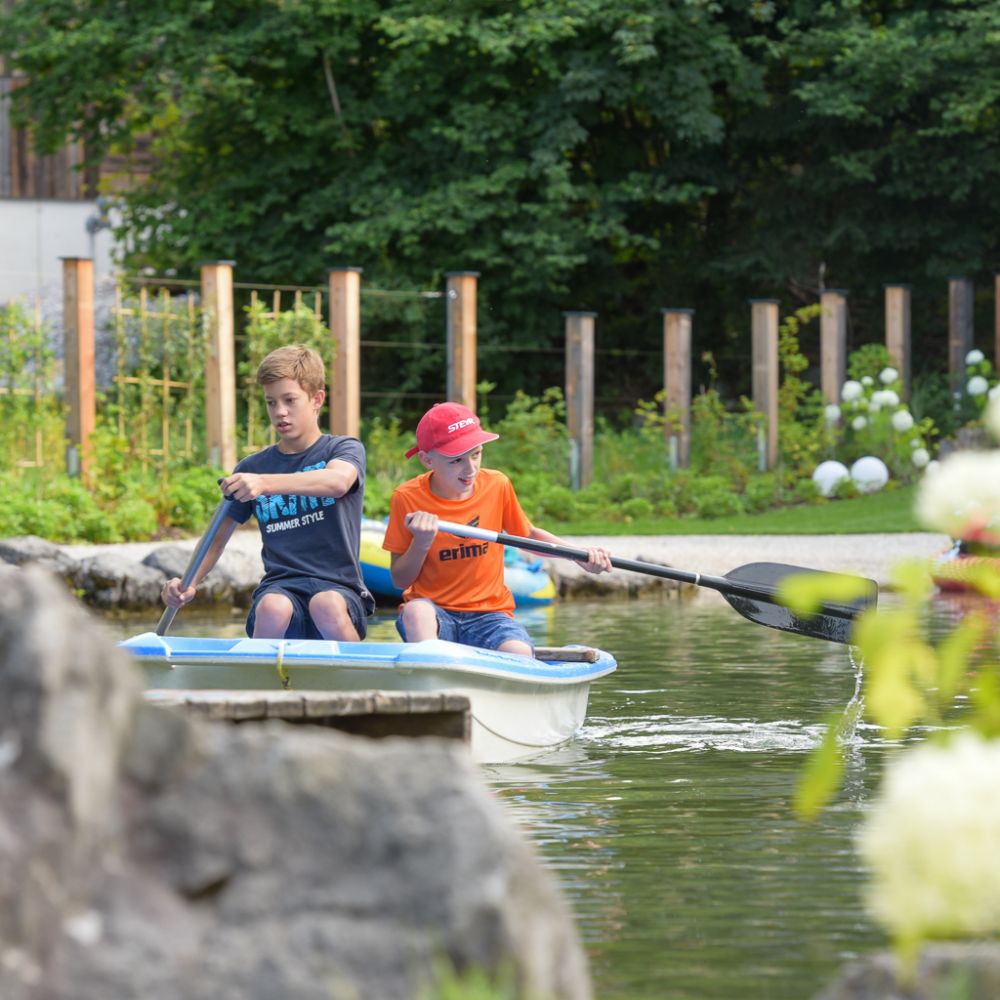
{"x": 146, "y": 855}
{"x": 232, "y": 579}
{"x": 114, "y": 582}
{"x": 970, "y": 970}
{"x": 32, "y": 549}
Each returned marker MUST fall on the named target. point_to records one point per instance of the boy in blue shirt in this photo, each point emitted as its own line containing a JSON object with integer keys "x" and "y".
{"x": 307, "y": 493}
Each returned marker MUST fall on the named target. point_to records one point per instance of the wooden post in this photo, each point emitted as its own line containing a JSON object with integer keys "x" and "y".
{"x": 996, "y": 322}
{"x": 960, "y": 333}
{"x": 677, "y": 383}
{"x": 461, "y": 291}
{"x": 78, "y": 333}
{"x": 580, "y": 395}
{"x": 764, "y": 323}
{"x": 220, "y": 362}
{"x": 897, "y": 331}
{"x": 833, "y": 342}
{"x": 344, "y": 389}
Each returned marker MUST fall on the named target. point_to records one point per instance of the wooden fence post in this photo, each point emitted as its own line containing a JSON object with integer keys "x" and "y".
{"x": 897, "y": 331}
{"x": 996, "y": 322}
{"x": 78, "y": 344}
{"x": 764, "y": 324}
{"x": 960, "y": 333}
{"x": 344, "y": 390}
{"x": 833, "y": 342}
{"x": 677, "y": 383}
{"x": 580, "y": 395}
{"x": 220, "y": 362}
{"x": 461, "y": 291}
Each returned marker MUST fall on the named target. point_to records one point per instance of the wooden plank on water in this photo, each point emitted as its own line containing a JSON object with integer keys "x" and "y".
{"x": 365, "y": 713}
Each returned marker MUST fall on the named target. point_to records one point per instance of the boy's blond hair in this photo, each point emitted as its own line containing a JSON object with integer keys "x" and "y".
{"x": 299, "y": 363}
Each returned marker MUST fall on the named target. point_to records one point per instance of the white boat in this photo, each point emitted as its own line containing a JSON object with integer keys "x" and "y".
{"x": 520, "y": 706}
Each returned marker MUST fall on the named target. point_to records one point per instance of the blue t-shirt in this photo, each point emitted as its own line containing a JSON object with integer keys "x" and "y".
{"x": 308, "y": 536}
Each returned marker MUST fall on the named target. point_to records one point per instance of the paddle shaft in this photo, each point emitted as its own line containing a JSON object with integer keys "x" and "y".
{"x": 719, "y": 583}
{"x": 197, "y": 558}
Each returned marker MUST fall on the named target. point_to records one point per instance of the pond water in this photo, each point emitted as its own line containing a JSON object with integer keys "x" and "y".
{"x": 668, "y": 821}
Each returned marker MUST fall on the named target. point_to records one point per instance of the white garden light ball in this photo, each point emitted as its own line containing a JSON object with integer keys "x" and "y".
{"x": 828, "y": 474}
{"x": 870, "y": 474}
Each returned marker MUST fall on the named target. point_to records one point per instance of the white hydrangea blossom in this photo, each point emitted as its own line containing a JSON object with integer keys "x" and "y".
{"x": 974, "y": 357}
{"x": 964, "y": 489}
{"x": 902, "y": 421}
{"x": 920, "y": 457}
{"x": 851, "y": 390}
{"x": 831, "y": 414}
{"x": 888, "y": 375}
{"x": 884, "y": 397}
{"x": 867, "y": 380}
{"x": 977, "y": 386}
{"x": 931, "y": 839}
{"x": 859, "y": 423}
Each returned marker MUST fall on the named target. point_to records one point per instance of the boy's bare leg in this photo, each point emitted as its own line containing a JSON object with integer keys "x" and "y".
{"x": 420, "y": 620}
{"x": 329, "y": 613}
{"x": 515, "y": 646}
{"x": 274, "y": 612}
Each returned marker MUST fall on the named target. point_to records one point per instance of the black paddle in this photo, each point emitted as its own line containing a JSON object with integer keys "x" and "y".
{"x": 197, "y": 558}
{"x": 750, "y": 589}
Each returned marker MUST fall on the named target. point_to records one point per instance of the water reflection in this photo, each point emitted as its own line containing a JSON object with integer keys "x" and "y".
{"x": 668, "y": 821}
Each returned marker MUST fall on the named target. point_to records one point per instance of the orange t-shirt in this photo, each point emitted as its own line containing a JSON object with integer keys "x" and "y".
{"x": 460, "y": 574}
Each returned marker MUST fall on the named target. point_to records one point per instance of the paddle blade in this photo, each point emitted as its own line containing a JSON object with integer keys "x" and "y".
{"x": 834, "y": 619}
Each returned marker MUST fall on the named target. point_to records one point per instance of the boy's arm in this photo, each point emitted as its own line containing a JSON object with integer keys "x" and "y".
{"x": 600, "y": 557}
{"x": 405, "y": 567}
{"x": 172, "y": 594}
{"x": 336, "y": 480}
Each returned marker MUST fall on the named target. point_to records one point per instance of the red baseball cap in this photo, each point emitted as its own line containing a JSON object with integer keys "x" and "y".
{"x": 451, "y": 429}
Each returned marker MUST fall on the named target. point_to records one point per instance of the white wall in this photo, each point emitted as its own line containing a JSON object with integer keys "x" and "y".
{"x": 35, "y": 234}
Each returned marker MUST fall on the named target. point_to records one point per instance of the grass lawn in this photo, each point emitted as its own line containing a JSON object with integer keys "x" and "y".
{"x": 885, "y": 512}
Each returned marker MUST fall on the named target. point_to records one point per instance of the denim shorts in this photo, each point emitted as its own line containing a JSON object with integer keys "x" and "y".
{"x": 484, "y": 629}
{"x": 300, "y": 590}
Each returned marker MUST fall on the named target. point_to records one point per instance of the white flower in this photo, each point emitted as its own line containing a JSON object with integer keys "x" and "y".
{"x": 977, "y": 386}
{"x": 902, "y": 421}
{"x": 974, "y": 357}
{"x": 930, "y": 840}
{"x": 867, "y": 380}
{"x": 920, "y": 457}
{"x": 831, "y": 414}
{"x": 888, "y": 375}
{"x": 859, "y": 423}
{"x": 964, "y": 488}
{"x": 916, "y": 443}
{"x": 992, "y": 415}
{"x": 852, "y": 390}
{"x": 885, "y": 397}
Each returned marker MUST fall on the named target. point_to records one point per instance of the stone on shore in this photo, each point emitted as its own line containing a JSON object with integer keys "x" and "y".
{"x": 146, "y": 854}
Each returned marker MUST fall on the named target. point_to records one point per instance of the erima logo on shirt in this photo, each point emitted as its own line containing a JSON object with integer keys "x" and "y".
{"x": 462, "y": 423}
{"x": 463, "y": 551}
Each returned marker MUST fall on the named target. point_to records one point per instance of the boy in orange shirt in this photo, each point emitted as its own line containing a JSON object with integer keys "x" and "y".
{"x": 454, "y": 588}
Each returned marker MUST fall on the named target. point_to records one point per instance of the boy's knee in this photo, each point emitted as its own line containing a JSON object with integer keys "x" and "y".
{"x": 274, "y": 604}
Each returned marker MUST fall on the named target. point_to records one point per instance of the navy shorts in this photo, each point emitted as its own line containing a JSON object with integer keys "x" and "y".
{"x": 300, "y": 590}
{"x": 484, "y": 629}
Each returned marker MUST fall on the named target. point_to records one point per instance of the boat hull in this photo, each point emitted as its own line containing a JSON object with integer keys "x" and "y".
{"x": 520, "y": 706}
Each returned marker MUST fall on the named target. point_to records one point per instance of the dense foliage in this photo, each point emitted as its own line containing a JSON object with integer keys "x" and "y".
{"x": 579, "y": 153}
